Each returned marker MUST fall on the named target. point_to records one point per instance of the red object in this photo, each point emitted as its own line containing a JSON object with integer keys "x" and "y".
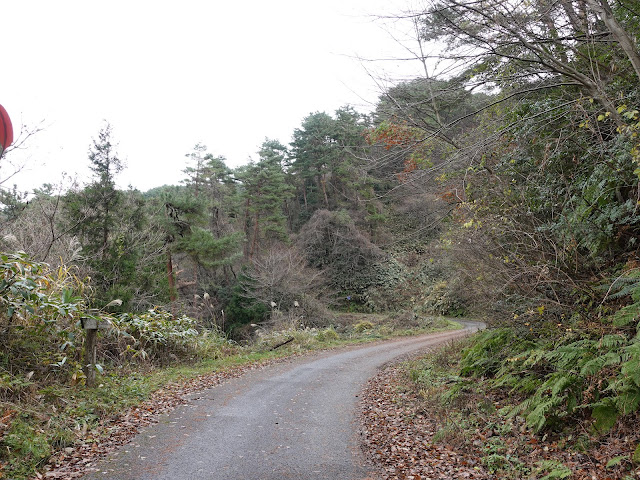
{"x": 6, "y": 129}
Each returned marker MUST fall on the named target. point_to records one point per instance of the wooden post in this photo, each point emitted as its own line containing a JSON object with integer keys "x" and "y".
{"x": 91, "y": 327}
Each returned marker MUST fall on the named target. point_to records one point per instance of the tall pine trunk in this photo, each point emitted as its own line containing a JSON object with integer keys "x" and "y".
{"x": 171, "y": 278}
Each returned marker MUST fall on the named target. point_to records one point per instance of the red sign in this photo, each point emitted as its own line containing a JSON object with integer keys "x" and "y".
{"x": 6, "y": 129}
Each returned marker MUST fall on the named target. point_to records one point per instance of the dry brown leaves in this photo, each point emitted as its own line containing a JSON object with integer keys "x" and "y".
{"x": 398, "y": 435}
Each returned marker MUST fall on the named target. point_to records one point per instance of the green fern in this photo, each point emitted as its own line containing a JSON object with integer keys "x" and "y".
{"x": 631, "y": 367}
{"x": 561, "y": 384}
{"x": 611, "y": 341}
{"x": 553, "y": 375}
{"x": 593, "y": 366}
{"x": 627, "y": 402}
{"x": 554, "y": 470}
{"x": 625, "y": 286}
{"x": 539, "y": 416}
{"x": 626, "y": 315}
{"x": 605, "y": 416}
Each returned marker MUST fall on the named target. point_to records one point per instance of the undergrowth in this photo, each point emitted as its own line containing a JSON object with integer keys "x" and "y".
{"x": 547, "y": 380}
{"x": 586, "y": 371}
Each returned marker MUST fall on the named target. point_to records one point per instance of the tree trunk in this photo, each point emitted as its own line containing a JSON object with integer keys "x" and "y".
{"x": 105, "y": 233}
{"x": 90, "y": 357}
{"x": 171, "y": 278}
{"x": 256, "y": 233}
{"x": 603, "y": 9}
{"x": 426, "y": 74}
{"x": 246, "y": 227}
{"x": 323, "y": 182}
{"x": 576, "y": 24}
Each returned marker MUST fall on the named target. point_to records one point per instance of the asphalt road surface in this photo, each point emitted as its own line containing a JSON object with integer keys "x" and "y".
{"x": 294, "y": 420}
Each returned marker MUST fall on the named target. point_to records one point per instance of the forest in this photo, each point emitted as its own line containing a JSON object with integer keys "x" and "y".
{"x": 502, "y": 185}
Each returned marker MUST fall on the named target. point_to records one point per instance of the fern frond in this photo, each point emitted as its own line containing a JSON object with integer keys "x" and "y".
{"x": 626, "y": 315}
{"x": 627, "y": 284}
{"x": 628, "y": 402}
{"x": 631, "y": 368}
{"x": 593, "y": 366}
{"x": 627, "y": 287}
{"x": 561, "y": 385}
{"x": 610, "y": 341}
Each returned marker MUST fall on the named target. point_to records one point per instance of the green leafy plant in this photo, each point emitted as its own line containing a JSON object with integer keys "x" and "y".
{"x": 157, "y": 336}
{"x": 553, "y": 470}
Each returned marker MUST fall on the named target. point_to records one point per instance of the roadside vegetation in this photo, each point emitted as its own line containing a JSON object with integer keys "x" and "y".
{"x": 544, "y": 229}
{"x": 503, "y": 184}
{"x": 504, "y": 423}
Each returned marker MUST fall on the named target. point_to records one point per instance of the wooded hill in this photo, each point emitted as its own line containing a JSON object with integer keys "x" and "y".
{"x": 506, "y": 188}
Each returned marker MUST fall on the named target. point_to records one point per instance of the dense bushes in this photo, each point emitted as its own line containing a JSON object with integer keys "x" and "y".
{"x": 44, "y": 406}
{"x": 39, "y": 320}
{"x": 356, "y": 269}
{"x": 42, "y": 337}
{"x": 158, "y": 336}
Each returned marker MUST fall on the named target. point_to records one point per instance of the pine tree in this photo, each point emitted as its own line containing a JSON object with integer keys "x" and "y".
{"x": 265, "y": 193}
{"x": 326, "y": 156}
{"x": 105, "y": 221}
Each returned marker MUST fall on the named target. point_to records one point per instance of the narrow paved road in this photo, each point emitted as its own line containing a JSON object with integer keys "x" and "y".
{"x": 295, "y": 420}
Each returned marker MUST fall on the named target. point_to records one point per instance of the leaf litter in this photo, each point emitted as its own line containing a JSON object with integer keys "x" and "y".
{"x": 399, "y": 436}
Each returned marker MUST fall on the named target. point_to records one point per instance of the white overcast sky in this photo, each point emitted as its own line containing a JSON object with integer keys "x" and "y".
{"x": 167, "y": 75}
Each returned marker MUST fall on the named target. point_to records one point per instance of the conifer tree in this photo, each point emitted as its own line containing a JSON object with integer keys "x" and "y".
{"x": 196, "y": 220}
{"x": 326, "y": 155}
{"x": 105, "y": 221}
{"x": 265, "y": 193}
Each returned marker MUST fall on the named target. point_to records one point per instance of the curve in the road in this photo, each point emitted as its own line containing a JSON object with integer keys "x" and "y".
{"x": 288, "y": 421}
